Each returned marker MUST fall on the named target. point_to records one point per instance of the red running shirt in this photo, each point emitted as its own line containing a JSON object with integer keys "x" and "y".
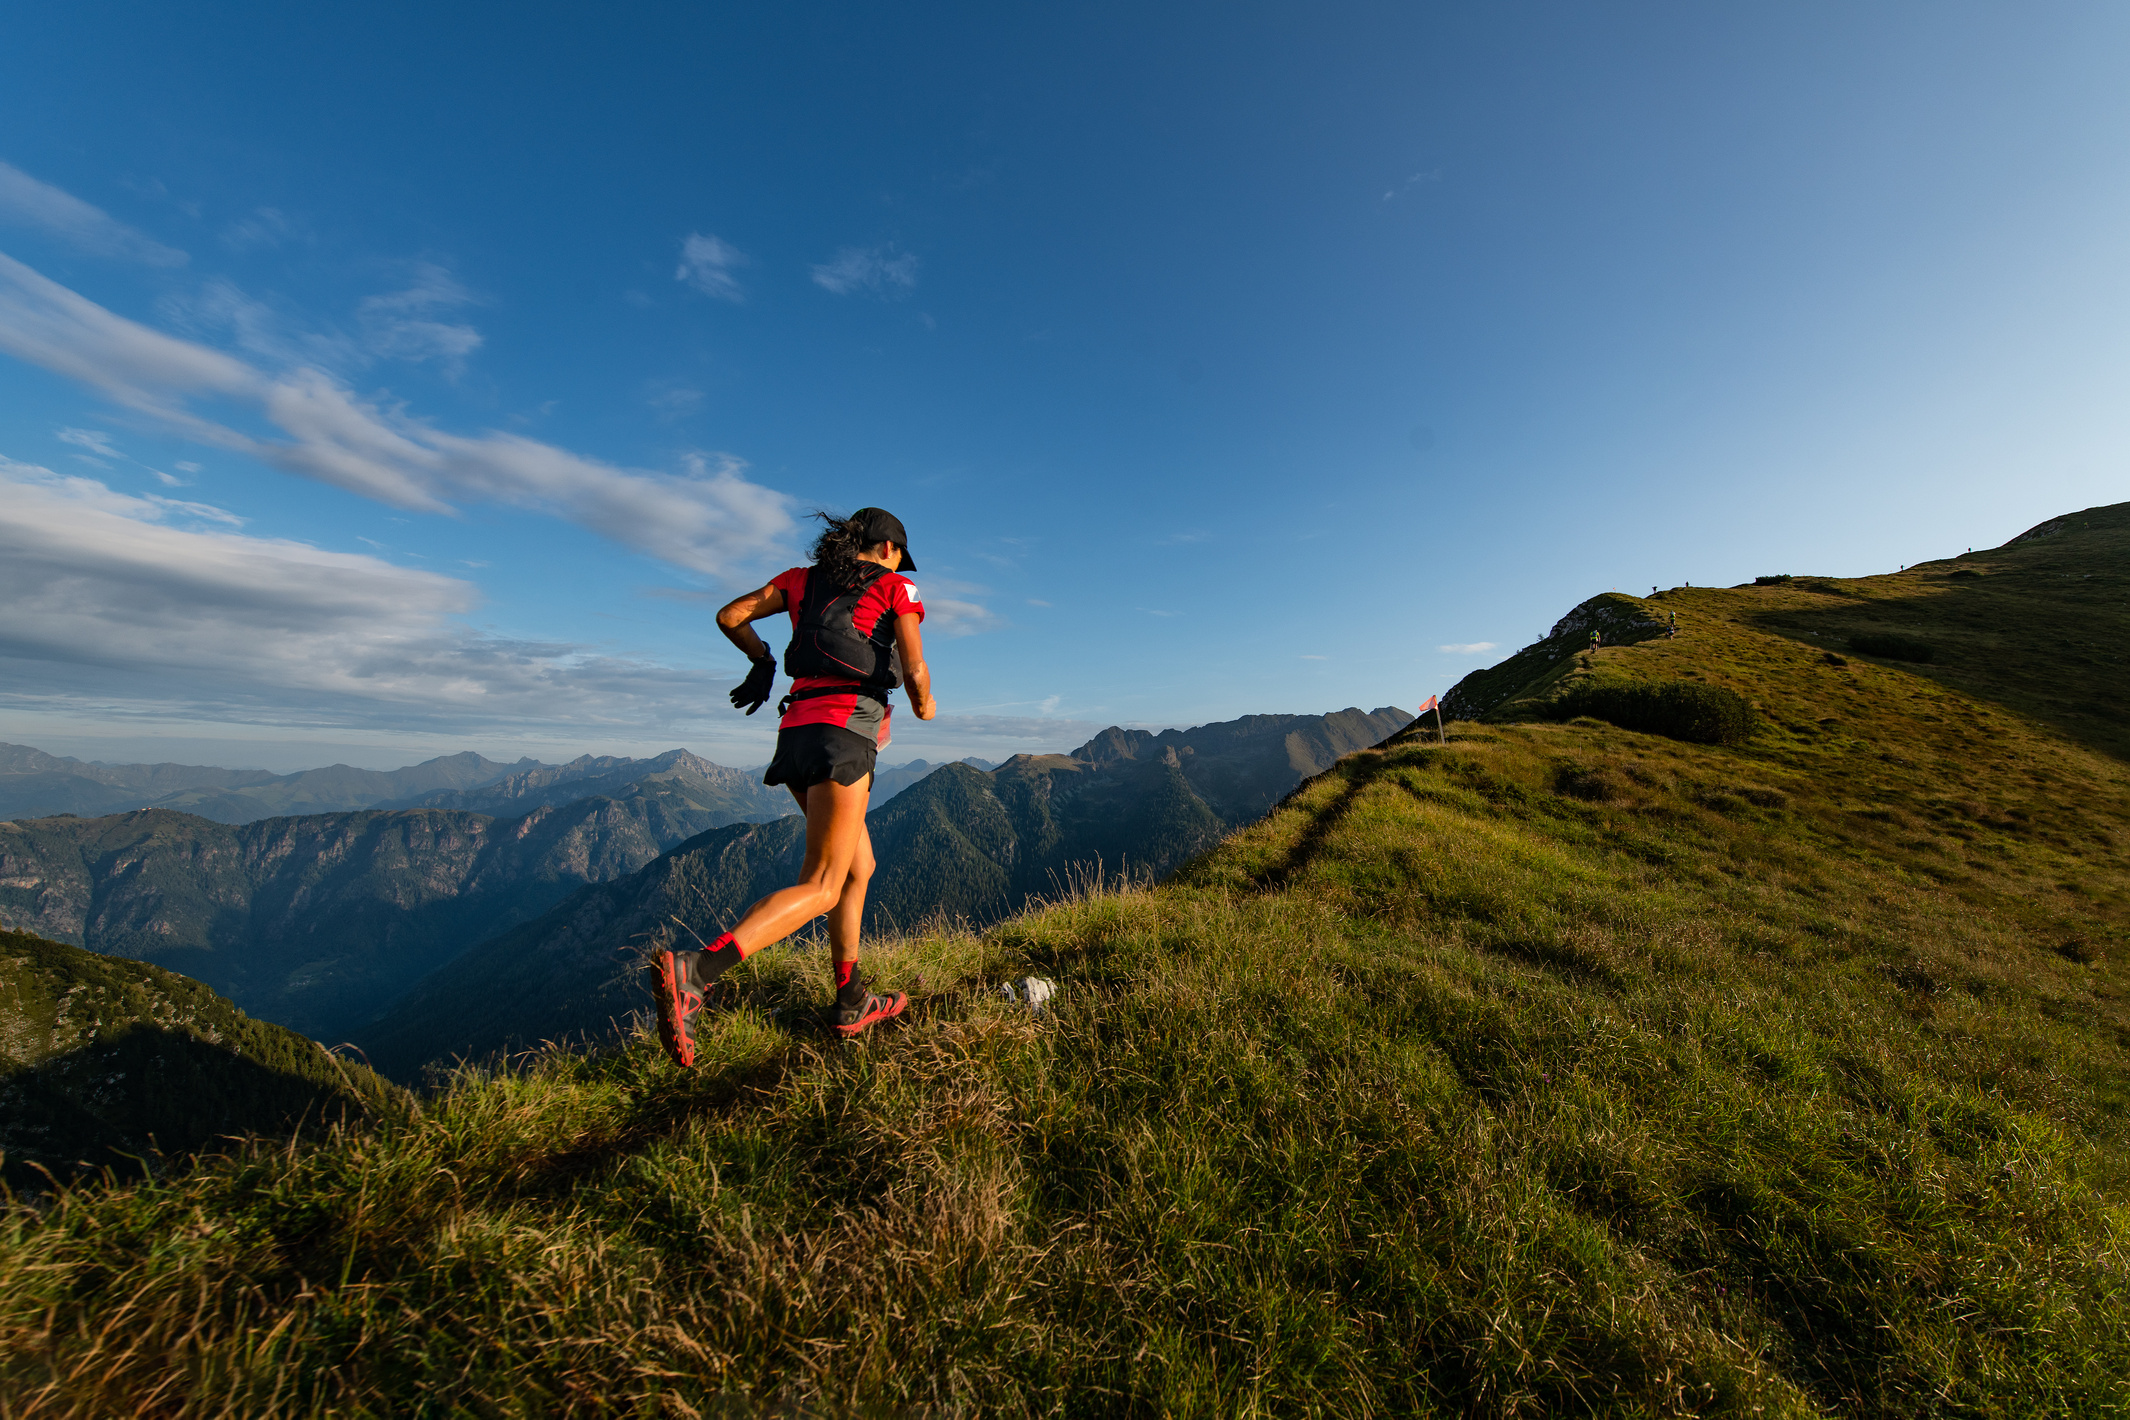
{"x": 890, "y": 595}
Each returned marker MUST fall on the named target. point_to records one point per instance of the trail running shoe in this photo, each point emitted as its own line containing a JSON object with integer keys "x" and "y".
{"x": 673, "y": 984}
{"x": 850, "y": 1020}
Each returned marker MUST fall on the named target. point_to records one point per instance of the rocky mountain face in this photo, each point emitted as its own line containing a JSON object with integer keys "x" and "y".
{"x": 105, "y": 1062}
{"x": 318, "y": 921}
{"x": 959, "y": 844}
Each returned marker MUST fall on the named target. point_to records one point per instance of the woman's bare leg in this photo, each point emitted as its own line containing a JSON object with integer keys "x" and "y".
{"x": 849, "y": 912}
{"x": 835, "y": 840}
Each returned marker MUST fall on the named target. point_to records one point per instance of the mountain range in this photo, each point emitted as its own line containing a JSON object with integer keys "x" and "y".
{"x": 317, "y": 921}
{"x": 322, "y": 921}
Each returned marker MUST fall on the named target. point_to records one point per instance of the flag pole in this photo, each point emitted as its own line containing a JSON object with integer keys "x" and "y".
{"x": 1436, "y": 706}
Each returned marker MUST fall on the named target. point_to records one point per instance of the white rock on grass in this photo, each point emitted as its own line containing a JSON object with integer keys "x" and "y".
{"x": 1034, "y": 992}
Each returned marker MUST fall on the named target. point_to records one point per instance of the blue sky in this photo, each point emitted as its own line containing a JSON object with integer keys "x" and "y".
{"x": 384, "y": 381}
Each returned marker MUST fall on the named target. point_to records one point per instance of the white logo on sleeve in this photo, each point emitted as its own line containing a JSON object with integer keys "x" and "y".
{"x": 909, "y": 589}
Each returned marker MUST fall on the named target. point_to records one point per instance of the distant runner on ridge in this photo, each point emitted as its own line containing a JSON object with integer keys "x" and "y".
{"x": 854, "y": 638}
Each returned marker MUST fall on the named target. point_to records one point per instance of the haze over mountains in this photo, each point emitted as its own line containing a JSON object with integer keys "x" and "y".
{"x": 34, "y": 784}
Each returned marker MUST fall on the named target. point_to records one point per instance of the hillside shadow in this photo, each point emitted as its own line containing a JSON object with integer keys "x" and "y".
{"x": 2046, "y": 646}
{"x": 144, "y": 1092}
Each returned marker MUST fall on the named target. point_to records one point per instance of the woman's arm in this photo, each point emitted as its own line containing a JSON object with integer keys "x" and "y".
{"x": 910, "y": 641}
{"x": 732, "y": 619}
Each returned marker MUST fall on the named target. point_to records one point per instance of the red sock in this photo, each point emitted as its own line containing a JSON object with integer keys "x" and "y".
{"x": 850, "y": 986}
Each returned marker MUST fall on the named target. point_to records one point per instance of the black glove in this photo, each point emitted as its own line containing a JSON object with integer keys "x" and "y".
{"x": 752, "y": 693}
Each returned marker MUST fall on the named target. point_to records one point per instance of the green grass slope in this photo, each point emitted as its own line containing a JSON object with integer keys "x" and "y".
{"x": 104, "y": 1062}
{"x": 1558, "y": 1069}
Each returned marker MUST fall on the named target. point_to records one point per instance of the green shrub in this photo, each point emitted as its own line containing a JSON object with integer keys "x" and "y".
{"x": 1774, "y": 581}
{"x": 1679, "y": 709}
{"x": 1889, "y": 647}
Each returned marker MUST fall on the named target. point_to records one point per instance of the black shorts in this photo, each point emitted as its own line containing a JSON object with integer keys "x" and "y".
{"x": 814, "y": 754}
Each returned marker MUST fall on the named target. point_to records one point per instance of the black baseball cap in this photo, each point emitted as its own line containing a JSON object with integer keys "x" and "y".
{"x": 877, "y": 525}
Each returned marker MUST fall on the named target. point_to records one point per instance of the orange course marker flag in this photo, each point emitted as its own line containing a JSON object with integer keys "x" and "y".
{"x": 1429, "y": 706}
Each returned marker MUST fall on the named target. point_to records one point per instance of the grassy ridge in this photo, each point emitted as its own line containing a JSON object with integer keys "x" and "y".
{"x": 1556, "y": 1069}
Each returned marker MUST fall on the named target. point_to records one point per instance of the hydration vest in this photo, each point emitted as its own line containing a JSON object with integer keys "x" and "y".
{"x": 826, "y": 641}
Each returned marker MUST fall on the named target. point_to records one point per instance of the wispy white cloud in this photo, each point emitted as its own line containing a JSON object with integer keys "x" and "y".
{"x": 26, "y": 202}
{"x": 29, "y": 480}
{"x": 951, "y": 616}
{"x": 104, "y": 451}
{"x": 1467, "y": 648}
{"x": 709, "y": 264}
{"x": 403, "y": 325}
{"x": 265, "y": 227}
{"x": 674, "y": 401}
{"x": 950, "y": 611}
{"x": 396, "y": 325}
{"x": 878, "y": 270}
{"x": 220, "y": 309}
{"x": 708, "y": 517}
{"x": 123, "y": 606}
{"x": 96, "y": 441}
{"x": 1412, "y": 180}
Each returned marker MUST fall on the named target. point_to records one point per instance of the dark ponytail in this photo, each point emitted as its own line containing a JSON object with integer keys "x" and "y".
{"x": 836, "y": 549}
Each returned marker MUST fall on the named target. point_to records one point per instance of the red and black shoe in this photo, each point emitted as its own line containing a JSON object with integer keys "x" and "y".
{"x": 849, "y": 1020}
{"x": 673, "y": 984}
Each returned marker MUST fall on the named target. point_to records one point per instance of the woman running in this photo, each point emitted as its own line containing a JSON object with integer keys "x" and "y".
{"x": 854, "y": 638}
